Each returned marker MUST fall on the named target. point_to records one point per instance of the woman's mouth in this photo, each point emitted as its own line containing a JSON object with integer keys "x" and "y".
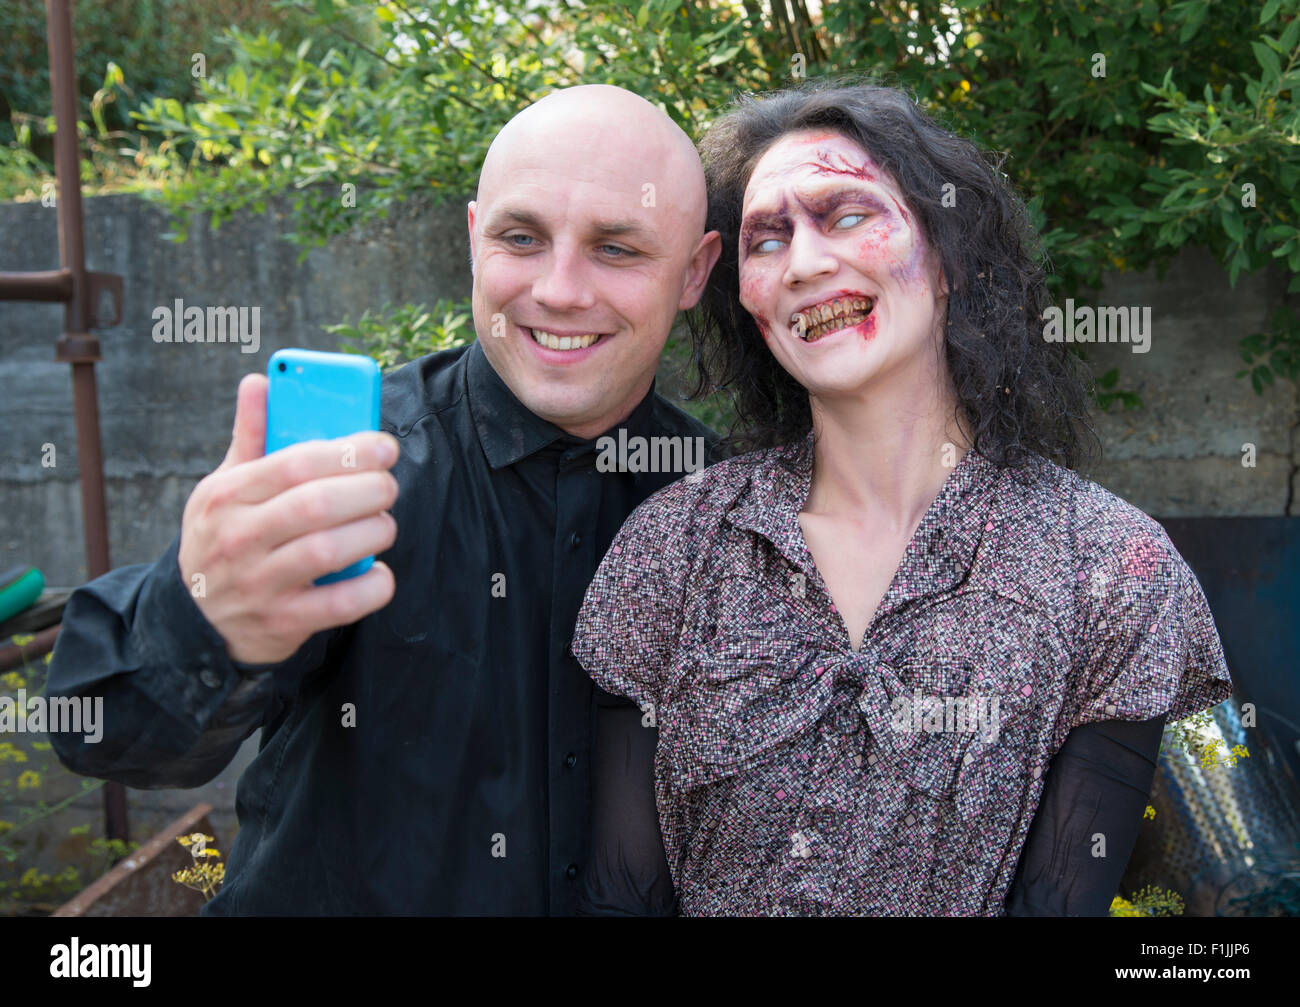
{"x": 811, "y": 324}
{"x": 563, "y": 342}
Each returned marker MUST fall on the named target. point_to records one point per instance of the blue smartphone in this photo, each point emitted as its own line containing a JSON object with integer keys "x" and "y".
{"x": 320, "y": 396}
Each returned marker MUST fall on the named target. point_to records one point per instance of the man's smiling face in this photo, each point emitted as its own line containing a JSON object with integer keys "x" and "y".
{"x": 587, "y": 238}
{"x": 834, "y": 266}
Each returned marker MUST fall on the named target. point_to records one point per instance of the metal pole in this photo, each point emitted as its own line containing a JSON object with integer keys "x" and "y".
{"x": 77, "y": 346}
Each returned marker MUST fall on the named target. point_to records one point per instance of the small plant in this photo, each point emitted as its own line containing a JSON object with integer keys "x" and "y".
{"x": 1149, "y": 901}
{"x": 206, "y": 874}
{"x": 1198, "y": 737}
{"x": 35, "y": 790}
{"x": 396, "y": 337}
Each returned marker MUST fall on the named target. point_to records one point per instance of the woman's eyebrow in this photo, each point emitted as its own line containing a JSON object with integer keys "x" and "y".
{"x": 772, "y": 219}
{"x": 826, "y": 200}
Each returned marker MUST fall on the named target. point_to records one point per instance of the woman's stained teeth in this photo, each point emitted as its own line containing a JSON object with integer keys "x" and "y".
{"x": 830, "y": 316}
{"x": 554, "y": 342}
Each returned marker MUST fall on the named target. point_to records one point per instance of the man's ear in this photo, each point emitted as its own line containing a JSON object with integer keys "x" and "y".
{"x": 470, "y": 208}
{"x": 701, "y": 264}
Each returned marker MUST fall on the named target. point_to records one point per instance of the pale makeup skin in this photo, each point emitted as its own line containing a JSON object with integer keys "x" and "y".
{"x": 821, "y": 223}
{"x": 589, "y": 221}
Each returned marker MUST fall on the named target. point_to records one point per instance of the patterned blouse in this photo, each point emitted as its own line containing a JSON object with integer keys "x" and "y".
{"x": 797, "y": 776}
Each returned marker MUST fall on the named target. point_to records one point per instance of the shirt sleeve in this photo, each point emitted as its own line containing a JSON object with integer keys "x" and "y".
{"x": 1148, "y": 644}
{"x": 631, "y": 618}
{"x": 175, "y": 708}
{"x": 1095, "y": 793}
{"x": 627, "y": 873}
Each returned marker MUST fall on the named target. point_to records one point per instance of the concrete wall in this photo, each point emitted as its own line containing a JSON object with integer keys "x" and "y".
{"x": 167, "y": 410}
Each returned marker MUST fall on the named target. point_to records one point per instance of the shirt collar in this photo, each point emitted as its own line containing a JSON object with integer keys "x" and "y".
{"x": 943, "y": 548}
{"x": 509, "y": 431}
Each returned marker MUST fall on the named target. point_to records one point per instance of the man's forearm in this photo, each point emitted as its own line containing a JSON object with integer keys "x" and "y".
{"x": 174, "y": 708}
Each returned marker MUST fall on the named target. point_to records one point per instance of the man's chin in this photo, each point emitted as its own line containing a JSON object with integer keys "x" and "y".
{"x": 581, "y": 416}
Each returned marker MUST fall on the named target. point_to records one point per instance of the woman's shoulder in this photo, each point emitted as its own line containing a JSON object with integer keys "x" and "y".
{"x": 1090, "y": 524}
{"x": 704, "y": 496}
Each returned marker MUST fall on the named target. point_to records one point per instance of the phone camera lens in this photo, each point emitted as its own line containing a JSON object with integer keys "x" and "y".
{"x": 282, "y": 366}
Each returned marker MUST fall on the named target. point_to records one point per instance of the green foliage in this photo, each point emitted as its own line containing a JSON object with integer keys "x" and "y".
{"x": 1150, "y": 901}
{"x": 153, "y": 40}
{"x": 36, "y": 790}
{"x": 394, "y": 337}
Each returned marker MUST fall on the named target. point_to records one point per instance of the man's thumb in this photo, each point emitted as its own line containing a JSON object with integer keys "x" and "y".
{"x": 248, "y": 441}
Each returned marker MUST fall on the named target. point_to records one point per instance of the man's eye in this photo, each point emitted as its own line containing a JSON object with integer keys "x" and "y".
{"x": 850, "y": 220}
{"x": 515, "y": 239}
{"x": 768, "y": 245}
{"x": 617, "y": 251}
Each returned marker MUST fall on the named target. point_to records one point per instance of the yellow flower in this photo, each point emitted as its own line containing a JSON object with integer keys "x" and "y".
{"x": 29, "y": 780}
{"x": 8, "y": 753}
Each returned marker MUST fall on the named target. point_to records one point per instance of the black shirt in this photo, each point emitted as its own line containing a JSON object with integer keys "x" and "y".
{"x": 463, "y": 785}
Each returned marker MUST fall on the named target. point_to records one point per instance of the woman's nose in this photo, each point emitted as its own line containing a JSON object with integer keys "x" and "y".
{"x": 811, "y": 255}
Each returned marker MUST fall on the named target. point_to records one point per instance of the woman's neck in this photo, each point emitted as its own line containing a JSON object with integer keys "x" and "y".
{"x": 885, "y": 455}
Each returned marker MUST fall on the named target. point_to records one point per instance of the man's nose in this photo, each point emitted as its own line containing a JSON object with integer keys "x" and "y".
{"x": 811, "y": 255}
{"x": 562, "y": 284}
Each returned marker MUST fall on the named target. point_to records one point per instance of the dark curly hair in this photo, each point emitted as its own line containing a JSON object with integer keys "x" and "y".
{"x": 1017, "y": 394}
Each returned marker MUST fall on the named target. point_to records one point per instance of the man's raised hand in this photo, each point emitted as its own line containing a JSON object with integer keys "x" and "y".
{"x": 261, "y": 528}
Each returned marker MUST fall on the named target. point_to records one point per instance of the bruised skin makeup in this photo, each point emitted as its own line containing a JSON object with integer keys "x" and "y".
{"x": 832, "y": 264}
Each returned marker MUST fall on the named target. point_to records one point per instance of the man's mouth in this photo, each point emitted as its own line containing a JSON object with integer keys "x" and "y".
{"x": 811, "y": 324}
{"x": 552, "y": 341}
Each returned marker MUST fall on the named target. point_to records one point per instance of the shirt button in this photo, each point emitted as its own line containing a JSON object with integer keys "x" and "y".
{"x": 571, "y": 872}
{"x": 570, "y": 760}
{"x": 209, "y": 678}
{"x": 575, "y": 540}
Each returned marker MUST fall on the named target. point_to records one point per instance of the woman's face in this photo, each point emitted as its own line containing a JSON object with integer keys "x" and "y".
{"x": 834, "y": 267}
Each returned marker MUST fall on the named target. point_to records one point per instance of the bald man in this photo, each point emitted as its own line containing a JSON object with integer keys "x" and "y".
{"x": 429, "y": 744}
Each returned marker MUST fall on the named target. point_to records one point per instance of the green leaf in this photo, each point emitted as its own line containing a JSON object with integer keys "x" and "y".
{"x": 1233, "y": 226}
{"x": 1291, "y": 35}
{"x": 1268, "y": 62}
{"x": 1270, "y": 11}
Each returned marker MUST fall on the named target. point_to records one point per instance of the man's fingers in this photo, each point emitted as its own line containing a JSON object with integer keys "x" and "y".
{"x": 299, "y": 562}
{"x": 248, "y": 439}
{"x": 317, "y": 505}
{"x": 343, "y": 602}
{"x": 281, "y": 470}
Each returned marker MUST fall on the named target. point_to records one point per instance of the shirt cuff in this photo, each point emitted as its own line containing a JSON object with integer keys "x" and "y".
{"x": 173, "y": 636}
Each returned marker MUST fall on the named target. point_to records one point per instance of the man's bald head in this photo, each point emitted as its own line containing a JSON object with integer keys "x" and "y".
{"x": 587, "y": 238}
{"x": 595, "y": 122}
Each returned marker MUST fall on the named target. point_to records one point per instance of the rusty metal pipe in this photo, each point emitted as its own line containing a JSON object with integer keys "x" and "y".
{"x": 78, "y": 319}
{"x": 51, "y": 285}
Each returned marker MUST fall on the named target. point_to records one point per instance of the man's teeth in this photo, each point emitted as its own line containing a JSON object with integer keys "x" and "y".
{"x": 554, "y": 342}
{"x": 830, "y": 316}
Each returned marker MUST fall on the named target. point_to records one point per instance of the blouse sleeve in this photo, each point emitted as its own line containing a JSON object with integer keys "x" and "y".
{"x": 1147, "y": 643}
{"x": 631, "y": 617}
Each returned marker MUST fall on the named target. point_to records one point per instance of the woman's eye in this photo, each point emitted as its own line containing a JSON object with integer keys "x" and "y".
{"x": 850, "y": 220}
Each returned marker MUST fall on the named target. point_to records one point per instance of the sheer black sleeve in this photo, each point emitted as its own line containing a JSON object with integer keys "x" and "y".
{"x": 627, "y": 873}
{"x": 1097, "y": 783}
